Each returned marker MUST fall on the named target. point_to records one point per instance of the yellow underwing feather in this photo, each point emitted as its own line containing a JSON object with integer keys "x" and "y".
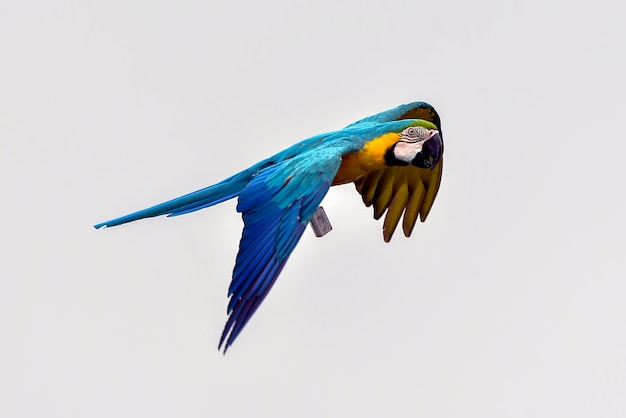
{"x": 416, "y": 189}
{"x": 369, "y": 186}
{"x": 384, "y": 192}
{"x": 432, "y": 186}
{"x": 397, "y": 204}
{"x": 419, "y": 113}
{"x": 397, "y": 190}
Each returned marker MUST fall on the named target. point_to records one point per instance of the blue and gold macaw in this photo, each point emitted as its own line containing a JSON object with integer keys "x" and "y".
{"x": 394, "y": 158}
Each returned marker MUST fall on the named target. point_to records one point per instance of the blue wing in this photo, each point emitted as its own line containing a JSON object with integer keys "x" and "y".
{"x": 415, "y": 110}
{"x": 276, "y": 207}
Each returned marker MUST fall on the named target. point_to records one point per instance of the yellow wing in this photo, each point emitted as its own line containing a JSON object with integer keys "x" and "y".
{"x": 396, "y": 190}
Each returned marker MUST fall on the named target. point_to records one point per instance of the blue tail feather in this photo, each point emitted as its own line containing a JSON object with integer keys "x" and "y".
{"x": 191, "y": 202}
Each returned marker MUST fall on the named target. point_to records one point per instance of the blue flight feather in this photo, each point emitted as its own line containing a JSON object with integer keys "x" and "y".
{"x": 191, "y": 202}
{"x": 264, "y": 251}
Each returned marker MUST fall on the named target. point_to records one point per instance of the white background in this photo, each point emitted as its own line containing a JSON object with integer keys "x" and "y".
{"x": 508, "y": 302}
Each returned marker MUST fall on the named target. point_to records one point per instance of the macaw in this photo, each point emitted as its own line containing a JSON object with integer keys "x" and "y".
{"x": 394, "y": 158}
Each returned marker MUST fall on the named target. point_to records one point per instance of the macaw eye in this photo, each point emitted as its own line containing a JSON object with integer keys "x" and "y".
{"x": 414, "y": 133}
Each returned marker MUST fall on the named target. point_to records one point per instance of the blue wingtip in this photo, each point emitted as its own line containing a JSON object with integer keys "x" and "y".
{"x": 146, "y": 213}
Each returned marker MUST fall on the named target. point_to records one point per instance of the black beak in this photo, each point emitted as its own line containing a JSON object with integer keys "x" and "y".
{"x": 431, "y": 151}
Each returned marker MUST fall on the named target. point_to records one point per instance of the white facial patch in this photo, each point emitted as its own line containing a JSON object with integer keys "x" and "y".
{"x": 406, "y": 151}
{"x": 411, "y": 142}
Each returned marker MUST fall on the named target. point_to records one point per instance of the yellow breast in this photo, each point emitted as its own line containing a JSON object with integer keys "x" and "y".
{"x": 355, "y": 165}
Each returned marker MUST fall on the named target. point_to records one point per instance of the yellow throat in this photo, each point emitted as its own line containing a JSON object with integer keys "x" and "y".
{"x": 355, "y": 165}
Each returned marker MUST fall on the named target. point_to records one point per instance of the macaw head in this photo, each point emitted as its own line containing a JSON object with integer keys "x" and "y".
{"x": 418, "y": 145}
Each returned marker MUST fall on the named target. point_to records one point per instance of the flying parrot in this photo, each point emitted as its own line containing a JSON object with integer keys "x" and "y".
{"x": 394, "y": 158}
